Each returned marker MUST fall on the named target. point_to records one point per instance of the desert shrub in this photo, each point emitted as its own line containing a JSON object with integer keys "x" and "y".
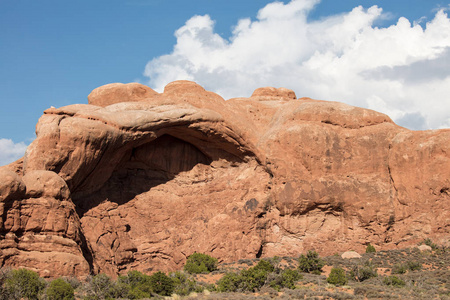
{"x": 59, "y": 289}
{"x": 265, "y": 265}
{"x": 275, "y": 261}
{"x": 414, "y": 265}
{"x": 183, "y": 285}
{"x": 135, "y": 285}
{"x": 5, "y": 293}
{"x": 370, "y": 249}
{"x": 337, "y": 277}
{"x": 399, "y": 269}
{"x": 394, "y": 281}
{"x": 430, "y": 243}
{"x": 99, "y": 287}
{"x": 229, "y": 282}
{"x": 161, "y": 284}
{"x": 311, "y": 263}
{"x": 73, "y": 281}
{"x": 23, "y": 283}
{"x": 252, "y": 279}
{"x": 285, "y": 279}
{"x": 364, "y": 272}
{"x": 200, "y": 263}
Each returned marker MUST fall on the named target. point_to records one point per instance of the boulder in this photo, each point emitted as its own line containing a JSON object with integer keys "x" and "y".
{"x": 350, "y": 254}
{"x": 424, "y": 248}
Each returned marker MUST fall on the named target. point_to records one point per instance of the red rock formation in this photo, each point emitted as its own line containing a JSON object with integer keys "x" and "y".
{"x": 140, "y": 180}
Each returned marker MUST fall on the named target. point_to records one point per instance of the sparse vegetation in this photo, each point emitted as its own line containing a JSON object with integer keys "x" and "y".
{"x": 364, "y": 271}
{"x": 394, "y": 274}
{"x": 399, "y": 269}
{"x": 430, "y": 243}
{"x": 184, "y": 285}
{"x": 394, "y": 281}
{"x": 413, "y": 265}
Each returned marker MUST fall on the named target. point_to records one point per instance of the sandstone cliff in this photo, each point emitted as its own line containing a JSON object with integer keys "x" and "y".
{"x": 140, "y": 180}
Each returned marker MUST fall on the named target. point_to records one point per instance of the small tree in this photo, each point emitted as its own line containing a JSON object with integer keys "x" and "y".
{"x": 200, "y": 263}
{"x": 25, "y": 284}
{"x": 311, "y": 263}
{"x": 370, "y": 249}
{"x": 59, "y": 289}
{"x": 161, "y": 284}
{"x": 337, "y": 277}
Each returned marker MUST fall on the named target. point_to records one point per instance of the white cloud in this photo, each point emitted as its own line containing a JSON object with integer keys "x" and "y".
{"x": 402, "y": 70}
{"x": 10, "y": 151}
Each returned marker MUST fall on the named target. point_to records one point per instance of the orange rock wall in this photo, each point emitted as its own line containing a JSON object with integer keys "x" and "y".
{"x": 141, "y": 180}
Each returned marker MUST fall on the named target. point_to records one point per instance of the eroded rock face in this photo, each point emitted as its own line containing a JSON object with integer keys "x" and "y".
{"x": 141, "y": 180}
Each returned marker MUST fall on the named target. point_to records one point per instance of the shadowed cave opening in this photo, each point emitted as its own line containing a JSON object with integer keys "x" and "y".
{"x": 143, "y": 168}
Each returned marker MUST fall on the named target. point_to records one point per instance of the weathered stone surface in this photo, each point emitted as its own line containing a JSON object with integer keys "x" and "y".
{"x": 271, "y": 93}
{"x": 424, "y": 248}
{"x": 141, "y": 180}
{"x": 42, "y": 183}
{"x": 350, "y": 254}
{"x": 119, "y": 92}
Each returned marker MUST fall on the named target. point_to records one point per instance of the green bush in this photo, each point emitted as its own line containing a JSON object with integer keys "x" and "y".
{"x": 134, "y": 286}
{"x": 253, "y": 279}
{"x": 265, "y": 265}
{"x": 370, "y": 249}
{"x": 394, "y": 281}
{"x": 200, "y": 263}
{"x": 23, "y": 283}
{"x": 161, "y": 284}
{"x": 59, "y": 289}
{"x": 229, "y": 282}
{"x": 311, "y": 263}
{"x": 286, "y": 279}
{"x": 250, "y": 280}
{"x": 337, "y": 277}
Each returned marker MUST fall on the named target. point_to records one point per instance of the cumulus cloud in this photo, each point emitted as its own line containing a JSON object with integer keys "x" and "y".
{"x": 402, "y": 70}
{"x": 10, "y": 151}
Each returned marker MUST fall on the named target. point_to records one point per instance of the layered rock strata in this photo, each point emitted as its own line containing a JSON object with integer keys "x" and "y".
{"x": 140, "y": 180}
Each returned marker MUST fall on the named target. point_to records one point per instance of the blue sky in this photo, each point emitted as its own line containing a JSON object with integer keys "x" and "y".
{"x": 53, "y": 53}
